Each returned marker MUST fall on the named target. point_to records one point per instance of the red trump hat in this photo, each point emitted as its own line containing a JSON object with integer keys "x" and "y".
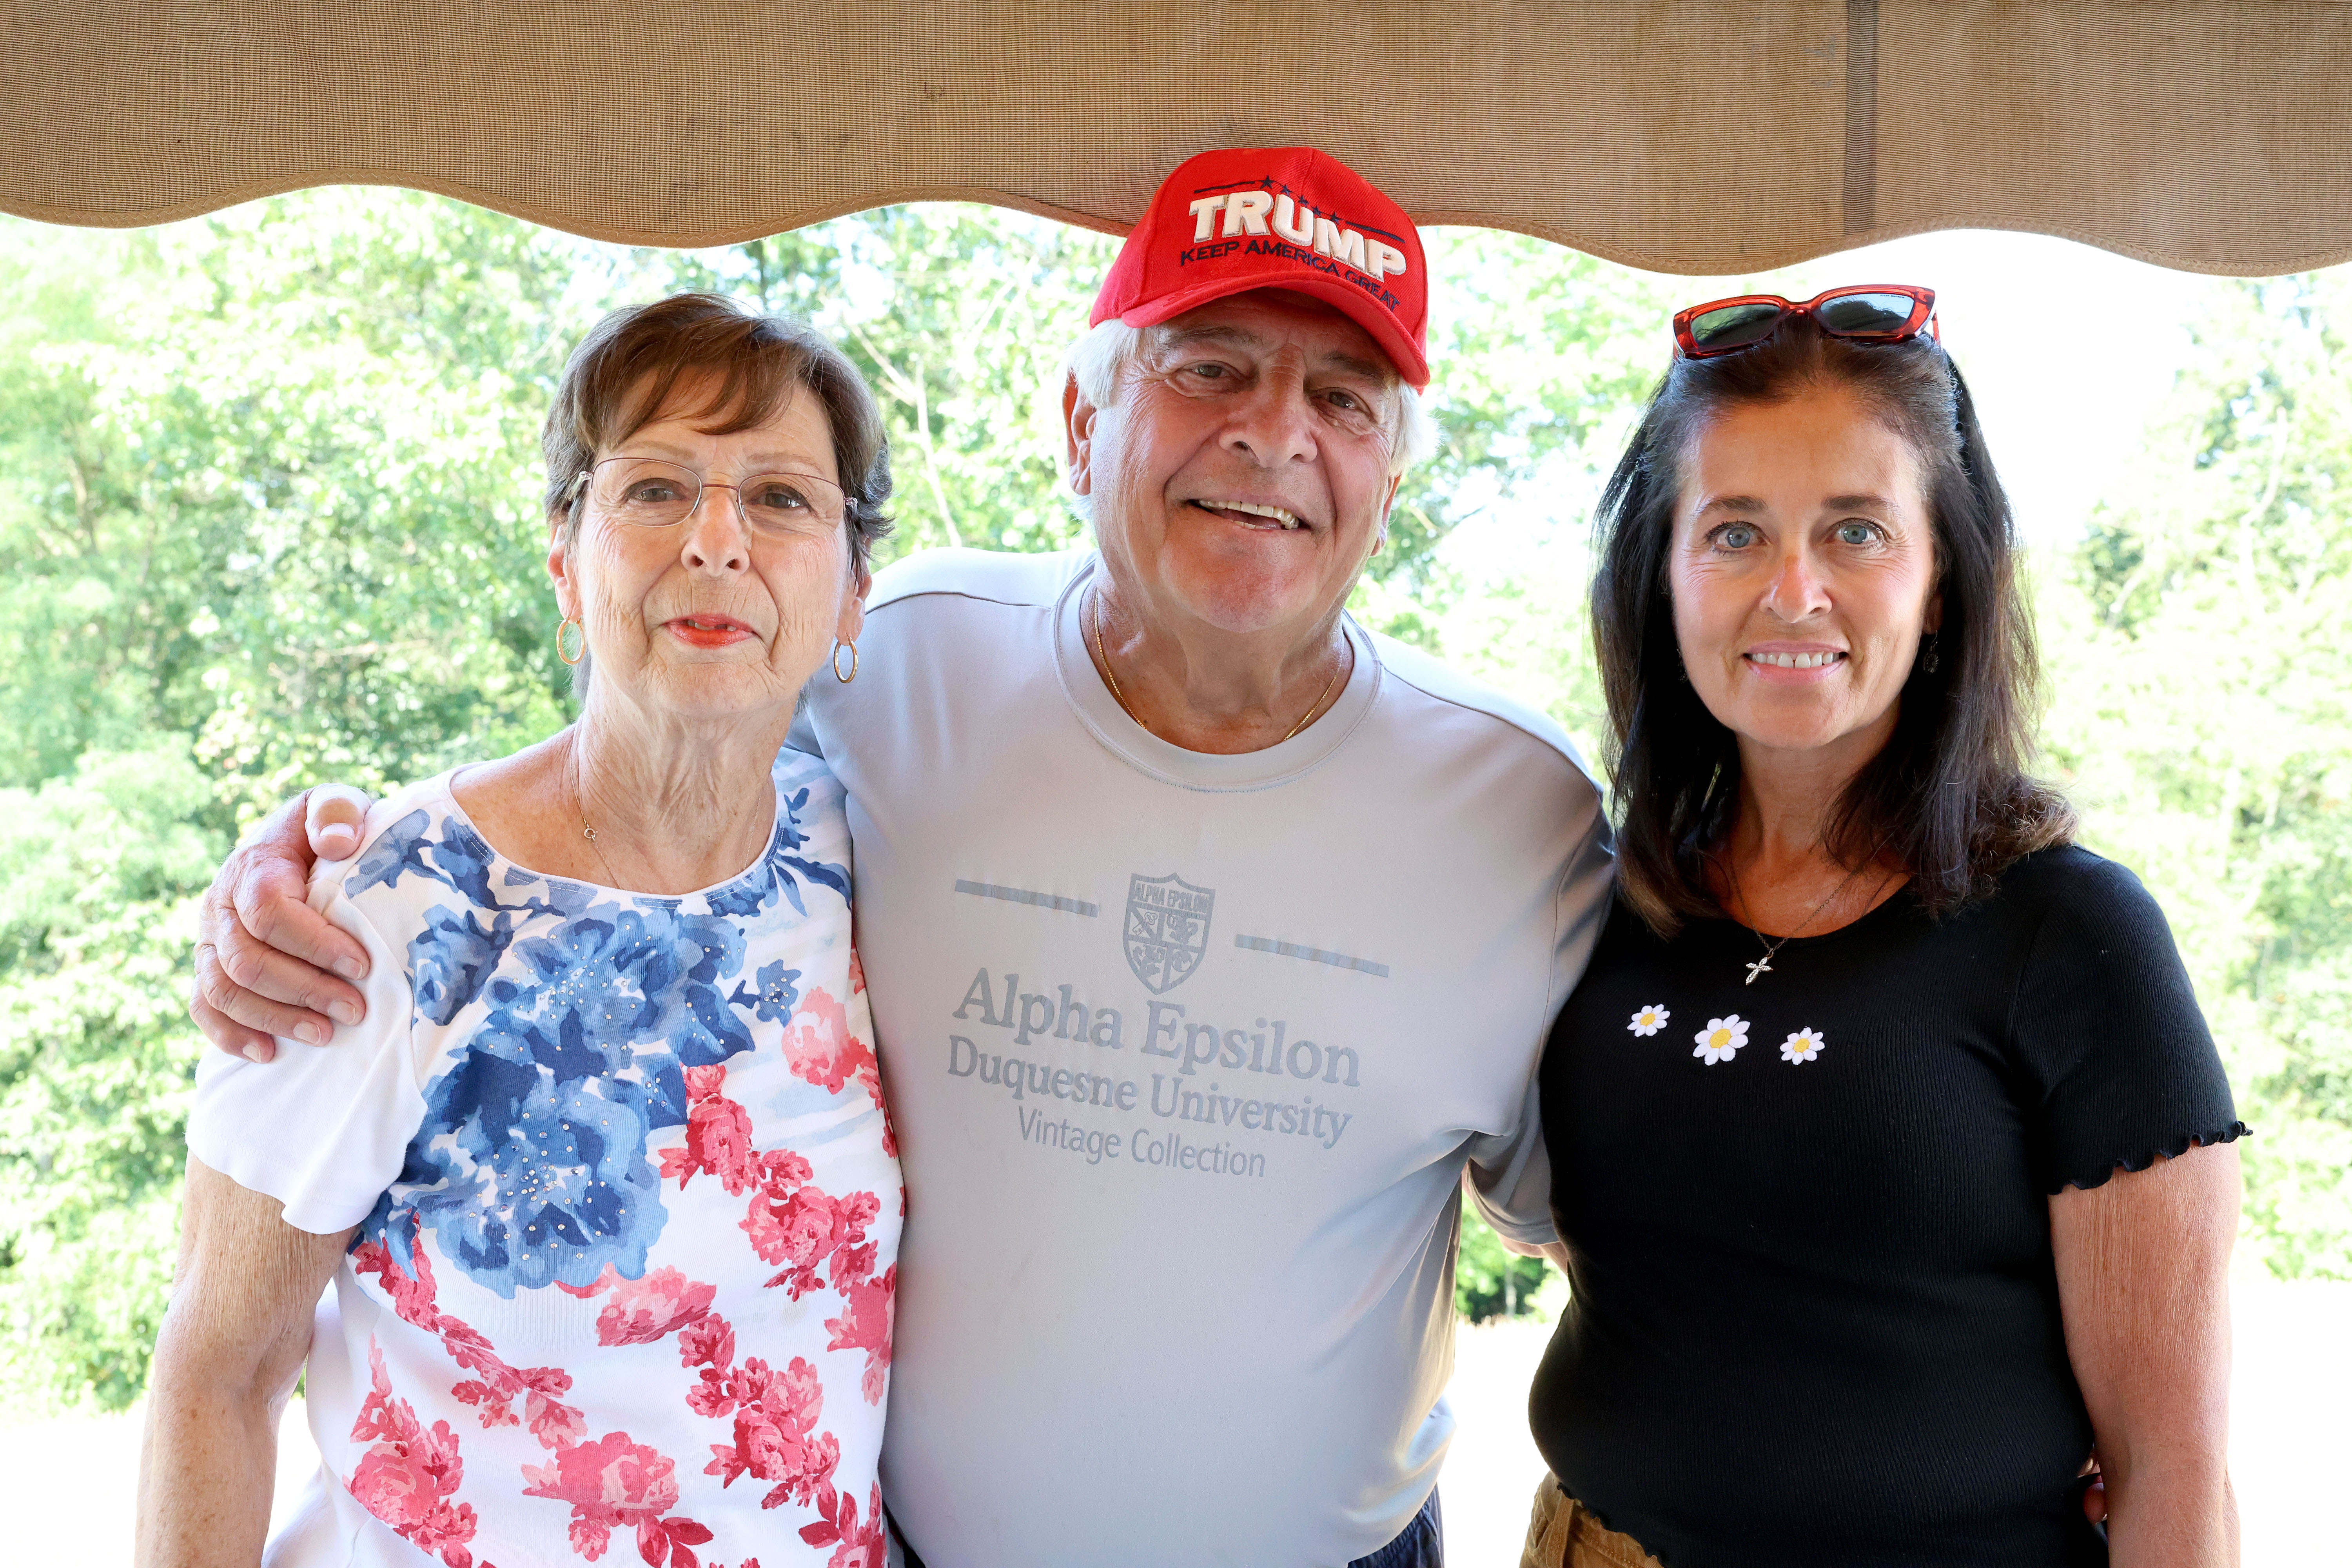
{"x": 1276, "y": 217}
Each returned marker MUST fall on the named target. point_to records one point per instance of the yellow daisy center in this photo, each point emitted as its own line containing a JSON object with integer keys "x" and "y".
{"x": 1719, "y": 1039}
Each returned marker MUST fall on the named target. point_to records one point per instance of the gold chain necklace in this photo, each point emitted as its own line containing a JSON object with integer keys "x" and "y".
{"x": 1102, "y": 657}
{"x": 580, "y": 801}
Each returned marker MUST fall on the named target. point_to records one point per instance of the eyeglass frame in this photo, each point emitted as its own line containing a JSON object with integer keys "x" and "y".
{"x": 702, "y": 483}
{"x": 1921, "y": 318}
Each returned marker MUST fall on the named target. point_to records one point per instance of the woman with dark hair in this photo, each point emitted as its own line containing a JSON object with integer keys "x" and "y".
{"x": 1888, "y": 1144}
{"x": 603, "y": 1181}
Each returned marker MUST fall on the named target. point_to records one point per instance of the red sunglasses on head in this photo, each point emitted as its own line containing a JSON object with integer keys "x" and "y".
{"x": 1864, "y": 312}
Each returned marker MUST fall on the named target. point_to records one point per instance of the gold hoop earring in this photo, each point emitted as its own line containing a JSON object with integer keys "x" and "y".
{"x": 568, "y": 623}
{"x": 837, "y": 646}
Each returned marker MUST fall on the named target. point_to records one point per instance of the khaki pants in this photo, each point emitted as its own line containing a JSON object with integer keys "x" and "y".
{"x": 1564, "y": 1534}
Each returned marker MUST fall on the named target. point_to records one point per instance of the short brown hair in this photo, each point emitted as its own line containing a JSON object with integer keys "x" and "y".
{"x": 1948, "y": 796}
{"x": 622, "y": 375}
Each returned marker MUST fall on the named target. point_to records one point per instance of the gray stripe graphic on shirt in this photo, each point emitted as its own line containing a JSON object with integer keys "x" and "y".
{"x": 1024, "y": 896}
{"x": 1292, "y": 950}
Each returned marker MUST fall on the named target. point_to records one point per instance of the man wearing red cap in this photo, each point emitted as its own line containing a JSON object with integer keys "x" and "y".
{"x": 1211, "y": 939}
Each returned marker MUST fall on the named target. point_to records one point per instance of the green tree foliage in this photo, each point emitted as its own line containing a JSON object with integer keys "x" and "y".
{"x": 96, "y": 870}
{"x": 269, "y": 514}
{"x": 265, "y": 516}
{"x": 2200, "y": 710}
{"x": 958, "y": 317}
{"x": 1490, "y": 1280}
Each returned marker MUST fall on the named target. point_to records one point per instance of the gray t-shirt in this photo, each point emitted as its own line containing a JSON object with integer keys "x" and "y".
{"x": 1187, "y": 1056}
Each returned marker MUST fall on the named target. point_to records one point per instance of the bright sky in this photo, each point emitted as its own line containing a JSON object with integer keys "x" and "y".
{"x": 2068, "y": 349}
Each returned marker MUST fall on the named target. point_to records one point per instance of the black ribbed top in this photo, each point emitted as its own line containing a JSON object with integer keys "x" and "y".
{"x": 1815, "y": 1316}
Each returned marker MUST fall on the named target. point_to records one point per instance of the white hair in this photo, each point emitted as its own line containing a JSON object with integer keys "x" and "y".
{"x": 1097, "y": 361}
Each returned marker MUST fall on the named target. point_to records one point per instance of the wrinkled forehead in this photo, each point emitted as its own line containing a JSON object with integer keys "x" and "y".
{"x": 1266, "y": 320}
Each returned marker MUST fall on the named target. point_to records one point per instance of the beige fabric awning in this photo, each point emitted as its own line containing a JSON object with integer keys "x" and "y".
{"x": 1686, "y": 135}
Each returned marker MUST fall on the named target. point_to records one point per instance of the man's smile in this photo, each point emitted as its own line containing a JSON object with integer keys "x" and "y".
{"x": 1252, "y": 514}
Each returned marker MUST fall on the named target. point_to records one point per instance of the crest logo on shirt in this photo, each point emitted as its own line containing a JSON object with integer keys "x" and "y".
{"x": 1167, "y": 929}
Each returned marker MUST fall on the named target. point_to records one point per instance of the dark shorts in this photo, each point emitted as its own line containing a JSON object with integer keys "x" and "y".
{"x": 1422, "y": 1544}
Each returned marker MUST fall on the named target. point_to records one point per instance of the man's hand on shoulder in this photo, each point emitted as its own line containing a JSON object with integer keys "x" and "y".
{"x": 266, "y": 962}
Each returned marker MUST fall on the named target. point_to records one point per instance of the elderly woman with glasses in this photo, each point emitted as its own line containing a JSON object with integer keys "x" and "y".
{"x": 1889, "y": 1149}
{"x": 604, "y": 1184}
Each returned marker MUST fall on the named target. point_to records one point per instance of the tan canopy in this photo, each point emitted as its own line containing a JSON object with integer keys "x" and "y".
{"x": 1686, "y": 135}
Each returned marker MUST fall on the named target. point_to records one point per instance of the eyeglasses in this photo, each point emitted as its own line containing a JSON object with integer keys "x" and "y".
{"x": 646, "y": 492}
{"x": 1864, "y": 312}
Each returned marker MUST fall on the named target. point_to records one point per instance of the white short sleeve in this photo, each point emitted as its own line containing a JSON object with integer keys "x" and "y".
{"x": 1509, "y": 1179}
{"x": 324, "y": 1129}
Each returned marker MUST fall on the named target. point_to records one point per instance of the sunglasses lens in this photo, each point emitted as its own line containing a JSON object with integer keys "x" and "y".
{"x": 1733, "y": 327}
{"x": 1865, "y": 315}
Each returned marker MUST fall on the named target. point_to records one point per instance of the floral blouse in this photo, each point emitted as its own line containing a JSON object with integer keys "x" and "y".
{"x": 628, "y": 1207}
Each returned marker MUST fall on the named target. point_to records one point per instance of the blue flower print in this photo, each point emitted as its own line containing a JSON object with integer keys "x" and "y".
{"x": 539, "y": 1175}
{"x": 777, "y": 996}
{"x": 453, "y": 956}
{"x": 530, "y": 1168}
{"x": 400, "y": 847}
{"x": 460, "y": 860}
{"x": 785, "y": 870}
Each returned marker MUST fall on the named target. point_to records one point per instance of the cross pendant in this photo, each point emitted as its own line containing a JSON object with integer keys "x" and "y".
{"x": 1761, "y": 966}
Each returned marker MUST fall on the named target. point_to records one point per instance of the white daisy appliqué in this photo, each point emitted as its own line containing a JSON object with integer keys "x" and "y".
{"x": 1721, "y": 1039}
{"x": 1650, "y": 1020}
{"x": 1802, "y": 1046}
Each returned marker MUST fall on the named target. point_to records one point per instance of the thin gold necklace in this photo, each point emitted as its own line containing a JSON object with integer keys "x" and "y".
{"x": 1102, "y": 657}
{"x": 1764, "y": 964}
{"x": 580, "y": 802}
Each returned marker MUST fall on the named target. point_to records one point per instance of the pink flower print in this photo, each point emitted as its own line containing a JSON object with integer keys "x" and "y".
{"x": 782, "y": 1170}
{"x": 644, "y": 1310}
{"x": 799, "y": 1230}
{"x": 788, "y": 1221}
{"x": 553, "y": 1423}
{"x": 853, "y": 1265}
{"x": 859, "y": 1210}
{"x": 857, "y": 1543}
{"x": 805, "y": 1229}
{"x": 718, "y": 1135}
{"x": 868, "y": 1307}
{"x": 495, "y": 1410}
{"x": 609, "y": 1482}
{"x": 672, "y": 1539}
{"x": 823, "y": 1052}
{"x": 411, "y": 1299}
{"x": 590, "y": 1537}
{"x": 775, "y": 1433}
{"x": 710, "y": 1345}
{"x": 408, "y": 1475}
{"x": 710, "y": 1342}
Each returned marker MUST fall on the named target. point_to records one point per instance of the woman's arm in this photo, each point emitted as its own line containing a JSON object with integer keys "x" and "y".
{"x": 231, "y": 1347}
{"x": 2143, "y": 1281}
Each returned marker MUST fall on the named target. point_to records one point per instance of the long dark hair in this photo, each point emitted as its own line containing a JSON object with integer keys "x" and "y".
{"x": 1948, "y": 797}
